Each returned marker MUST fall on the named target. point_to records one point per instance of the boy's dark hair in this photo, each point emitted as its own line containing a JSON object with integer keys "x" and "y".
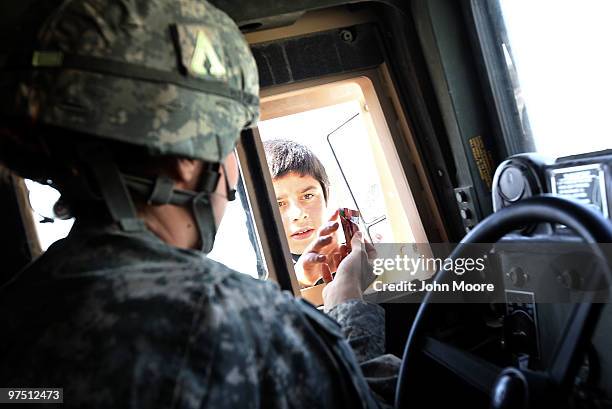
{"x": 285, "y": 156}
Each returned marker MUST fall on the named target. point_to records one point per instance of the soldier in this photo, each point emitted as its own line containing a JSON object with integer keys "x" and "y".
{"x": 132, "y": 110}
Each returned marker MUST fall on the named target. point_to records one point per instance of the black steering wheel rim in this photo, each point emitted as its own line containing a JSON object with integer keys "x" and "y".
{"x": 585, "y": 222}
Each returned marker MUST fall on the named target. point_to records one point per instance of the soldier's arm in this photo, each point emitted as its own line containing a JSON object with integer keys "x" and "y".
{"x": 363, "y": 325}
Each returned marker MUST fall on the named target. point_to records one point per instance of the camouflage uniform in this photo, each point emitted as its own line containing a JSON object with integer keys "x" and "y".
{"x": 123, "y": 320}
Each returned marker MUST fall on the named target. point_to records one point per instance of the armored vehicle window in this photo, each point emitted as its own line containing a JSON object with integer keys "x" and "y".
{"x": 237, "y": 243}
{"x": 344, "y": 125}
{"x": 49, "y": 227}
{"x": 355, "y": 148}
{"x": 560, "y": 70}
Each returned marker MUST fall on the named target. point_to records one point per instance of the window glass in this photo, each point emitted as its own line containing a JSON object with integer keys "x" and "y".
{"x": 379, "y": 229}
{"x": 350, "y": 147}
{"x": 237, "y": 244}
{"x": 560, "y": 51}
{"x": 48, "y": 227}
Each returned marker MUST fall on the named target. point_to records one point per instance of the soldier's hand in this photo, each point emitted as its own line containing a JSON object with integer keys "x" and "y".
{"x": 354, "y": 274}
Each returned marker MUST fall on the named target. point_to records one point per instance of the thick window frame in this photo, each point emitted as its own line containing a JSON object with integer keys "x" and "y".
{"x": 20, "y": 240}
{"x": 486, "y": 22}
{"x": 262, "y": 199}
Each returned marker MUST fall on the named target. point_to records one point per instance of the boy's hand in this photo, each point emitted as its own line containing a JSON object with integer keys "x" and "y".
{"x": 354, "y": 274}
{"x": 322, "y": 256}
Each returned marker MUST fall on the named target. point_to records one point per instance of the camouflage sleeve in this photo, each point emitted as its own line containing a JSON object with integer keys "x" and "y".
{"x": 363, "y": 325}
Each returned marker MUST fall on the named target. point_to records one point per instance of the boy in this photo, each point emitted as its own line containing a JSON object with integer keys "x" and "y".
{"x": 302, "y": 191}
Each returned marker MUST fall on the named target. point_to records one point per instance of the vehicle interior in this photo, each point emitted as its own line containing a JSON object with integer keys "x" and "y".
{"x": 423, "y": 114}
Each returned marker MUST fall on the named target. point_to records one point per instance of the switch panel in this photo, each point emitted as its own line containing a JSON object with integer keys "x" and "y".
{"x": 467, "y": 209}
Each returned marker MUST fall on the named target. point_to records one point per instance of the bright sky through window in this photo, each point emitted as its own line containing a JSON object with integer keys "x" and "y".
{"x": 562, "y": 54}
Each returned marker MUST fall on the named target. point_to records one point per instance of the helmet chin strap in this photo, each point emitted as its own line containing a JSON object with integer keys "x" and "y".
{"x": 205, "y": 221}
{"x": 160, "y": 191}
{"x": 115, "y": 187}
{"x": 203, "y": 211}
{"x": 202, "y": 208}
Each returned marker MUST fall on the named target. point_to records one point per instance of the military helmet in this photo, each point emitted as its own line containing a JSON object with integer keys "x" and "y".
{"x": 173, "y": 76}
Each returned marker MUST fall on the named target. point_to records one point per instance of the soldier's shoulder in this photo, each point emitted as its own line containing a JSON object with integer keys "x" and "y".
{"x": 247, "y": 288}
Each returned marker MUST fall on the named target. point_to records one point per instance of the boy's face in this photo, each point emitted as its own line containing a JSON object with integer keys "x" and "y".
{"x": 302, "y": 206}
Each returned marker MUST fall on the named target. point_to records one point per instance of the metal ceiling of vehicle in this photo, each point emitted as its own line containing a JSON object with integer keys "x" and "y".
{"x": 262, "y": 14}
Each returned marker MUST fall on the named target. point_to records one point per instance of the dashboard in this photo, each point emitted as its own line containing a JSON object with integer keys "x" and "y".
{"x": 585, "y": 178}
{"x": 540, "y": 280}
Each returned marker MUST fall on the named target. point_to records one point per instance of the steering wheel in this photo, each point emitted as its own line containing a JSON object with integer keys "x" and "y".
{"x": 512, "y": 387}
